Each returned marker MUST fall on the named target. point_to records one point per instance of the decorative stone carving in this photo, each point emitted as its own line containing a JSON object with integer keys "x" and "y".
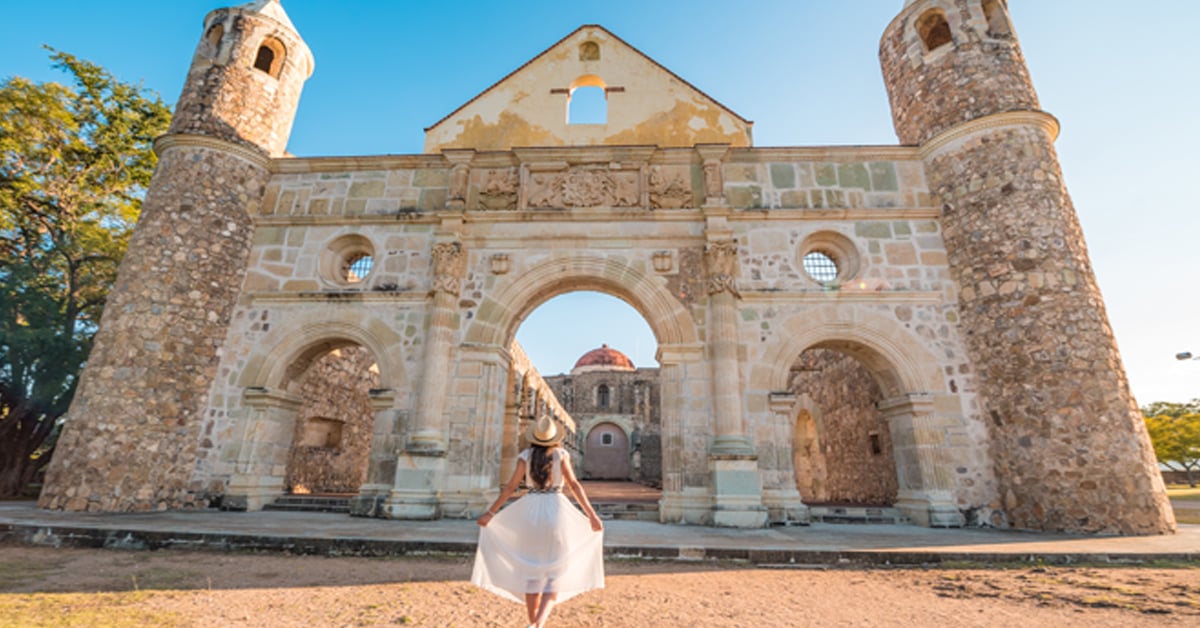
{"x": 663, "y": 261}
{"x": 498, "y": 189}
{"x": 500, "y": 264}
{"x": 449, "y": 266}
{"x": 669, "y": 189}
{"x": 583, "y": 187}
{"x": 721, "y": 261}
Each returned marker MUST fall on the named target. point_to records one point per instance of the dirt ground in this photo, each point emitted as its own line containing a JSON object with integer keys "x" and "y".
{"x": 74, "y": 587}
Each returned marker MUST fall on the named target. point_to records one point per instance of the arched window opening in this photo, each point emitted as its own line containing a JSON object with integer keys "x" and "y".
{"x": 602, "y": 395}
{"x": 934, "y": 30}
{"x": 997, "y": 21}
{"x": 213, "y": 38}
{"x": 588, "y": 105}
{"x": 270, "y": 57}
{"x": 587, "y": 101}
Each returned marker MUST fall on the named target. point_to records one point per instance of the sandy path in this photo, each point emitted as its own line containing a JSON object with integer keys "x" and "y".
{"x": 41, "y": 586}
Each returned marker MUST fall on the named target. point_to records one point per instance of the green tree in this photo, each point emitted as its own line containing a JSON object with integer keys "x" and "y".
{"x": 1175, "y": 432}
{"x": 75, "y": 161}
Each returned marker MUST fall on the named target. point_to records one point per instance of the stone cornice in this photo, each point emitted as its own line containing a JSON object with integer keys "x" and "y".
{"x": 605, "y": 215}
{"x": 305, "y": 165}
{"x": 186, "y": 140}
{"x": 334, "y": 298}
{"x": 990, "y": 123}
{"x": 842, "y": 296}
{"x": 822, "y": 153}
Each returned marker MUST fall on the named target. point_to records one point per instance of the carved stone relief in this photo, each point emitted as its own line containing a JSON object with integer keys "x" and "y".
{"x": 583, "y": 187}
{"x": 449, "y": 266}
{"x": 720, "y": 259}
{"x": 670, "y": 188}
{"x": 498, "y": 189}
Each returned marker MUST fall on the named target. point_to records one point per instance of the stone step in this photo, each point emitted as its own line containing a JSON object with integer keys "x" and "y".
{"x": 629, "y": 511}
{"x": 856, "y": 514}
{"x": 310, "y": 503}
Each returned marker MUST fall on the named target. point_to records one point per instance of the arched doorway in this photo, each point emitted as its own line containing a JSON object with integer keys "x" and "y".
{"x": 331, "y": 443}
{"x": 846, "y": 458}
{"x": 606, "y": 453}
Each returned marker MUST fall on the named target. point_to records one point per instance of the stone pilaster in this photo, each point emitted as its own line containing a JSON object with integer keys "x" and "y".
{"x": 784, "y": 503}
{"x": 262, "y": 461}
{"x": 926, "y": 492}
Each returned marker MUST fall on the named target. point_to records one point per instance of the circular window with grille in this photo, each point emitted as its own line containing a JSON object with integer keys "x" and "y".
{"x": 348, "y": 260}
{"x": 358, "y": 267}
{"x": 829, "y": 258}
{"x": 821, "y": 267}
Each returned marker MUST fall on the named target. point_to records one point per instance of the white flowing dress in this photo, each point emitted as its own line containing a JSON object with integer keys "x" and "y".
{"x": 540, "y": 543}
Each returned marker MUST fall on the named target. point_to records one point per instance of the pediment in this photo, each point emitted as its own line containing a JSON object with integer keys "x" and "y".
{"x": 641, "y": 102}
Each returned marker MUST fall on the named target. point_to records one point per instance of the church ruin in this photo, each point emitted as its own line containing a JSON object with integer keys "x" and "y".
{"x": 927, "y": 306}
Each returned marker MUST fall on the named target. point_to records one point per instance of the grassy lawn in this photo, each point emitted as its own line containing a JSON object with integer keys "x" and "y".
{"x": 1183, "y": 492}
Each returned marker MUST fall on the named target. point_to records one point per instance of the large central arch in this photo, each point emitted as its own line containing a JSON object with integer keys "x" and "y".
{"x": 502, "y": 312}
{"x": 510, "y": 302}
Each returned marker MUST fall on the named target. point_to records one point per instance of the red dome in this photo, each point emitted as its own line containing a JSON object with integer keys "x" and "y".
{"x": 604, "y": 358}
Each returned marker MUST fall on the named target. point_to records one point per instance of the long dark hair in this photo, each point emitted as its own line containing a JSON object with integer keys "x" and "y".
{"x": 540, "y": 460}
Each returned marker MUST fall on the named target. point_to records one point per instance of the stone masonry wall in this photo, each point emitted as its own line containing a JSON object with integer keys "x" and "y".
{"x": 335, "y": 389}
{"x": 227, "y": 98}
{"x": 844, "y": 395}
{"x": 979, "y": 74}
{"x": 130, "y": 438}
{"x": 1069, "y": 443}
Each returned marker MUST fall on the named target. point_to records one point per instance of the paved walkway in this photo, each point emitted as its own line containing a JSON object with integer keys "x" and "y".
{"x": 317, "y": 533}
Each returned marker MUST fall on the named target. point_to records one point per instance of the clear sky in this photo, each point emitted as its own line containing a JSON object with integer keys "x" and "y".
{"x": 1123, "y": 77}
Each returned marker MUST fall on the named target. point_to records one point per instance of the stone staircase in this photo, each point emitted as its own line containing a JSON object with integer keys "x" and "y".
{"x": 627, "y": 511}
{"x": 311, "y": 503}
{"x": 835, "y": 513}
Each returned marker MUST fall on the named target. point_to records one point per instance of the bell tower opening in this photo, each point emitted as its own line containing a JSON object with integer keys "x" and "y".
{"x": 934, "y": 30}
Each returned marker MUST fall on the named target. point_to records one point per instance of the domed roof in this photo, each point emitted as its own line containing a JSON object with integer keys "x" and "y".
{"x": 603, "y": 359}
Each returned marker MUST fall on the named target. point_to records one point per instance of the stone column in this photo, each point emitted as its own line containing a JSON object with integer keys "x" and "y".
{"x": 267, "y": 435}
{"x": 737, "y": 486}
{"x": 449, "y": 265}
{"x": 721, "y": 259}
{"x": 918, "y": 442}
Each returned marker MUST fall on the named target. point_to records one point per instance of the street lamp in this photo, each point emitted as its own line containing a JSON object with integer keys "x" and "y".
{"x": 1186, "y": 355}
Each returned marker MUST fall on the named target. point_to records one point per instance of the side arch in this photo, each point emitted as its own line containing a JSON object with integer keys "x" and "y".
{"x": 295, "y": 344}
{"x": 899, "y": 363}
{"x": 502, "y": 312}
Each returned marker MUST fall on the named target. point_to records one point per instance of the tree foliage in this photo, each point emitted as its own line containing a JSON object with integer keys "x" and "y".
{"x": 75, "y": 161}
{"x": 1175, "y": 431}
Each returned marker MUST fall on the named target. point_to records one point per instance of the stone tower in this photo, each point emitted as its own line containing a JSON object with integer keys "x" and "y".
{"x": 131, "y": 436}
{"x": 1068, "y": 442}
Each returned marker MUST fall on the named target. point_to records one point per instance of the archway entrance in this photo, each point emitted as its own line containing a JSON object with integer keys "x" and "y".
{"x": 842, "y": 449}
{"x": 309, "y": 442}
{"x": 332, "y": 439}
{"x": 595, "y": 357}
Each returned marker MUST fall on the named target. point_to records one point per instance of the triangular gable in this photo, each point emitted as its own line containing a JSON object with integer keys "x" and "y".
{"x": 647, "y": 104}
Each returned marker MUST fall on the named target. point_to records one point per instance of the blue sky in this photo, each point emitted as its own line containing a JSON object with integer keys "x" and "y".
{"x": 1121, "y": 77}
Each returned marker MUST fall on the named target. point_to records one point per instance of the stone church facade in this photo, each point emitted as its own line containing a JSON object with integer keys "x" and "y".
{"x": 950, "y": 268}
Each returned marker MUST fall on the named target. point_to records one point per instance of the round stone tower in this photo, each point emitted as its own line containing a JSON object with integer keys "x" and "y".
{"x": 1070, "y": 448}
{"x": 131, "y": 435}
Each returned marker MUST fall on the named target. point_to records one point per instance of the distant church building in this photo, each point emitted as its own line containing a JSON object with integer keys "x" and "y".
{"x": 915, "y": 325}
{"x": 616, "y": 409}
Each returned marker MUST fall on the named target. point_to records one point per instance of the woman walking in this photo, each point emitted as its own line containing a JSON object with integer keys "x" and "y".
{"x": 541, "y": 549}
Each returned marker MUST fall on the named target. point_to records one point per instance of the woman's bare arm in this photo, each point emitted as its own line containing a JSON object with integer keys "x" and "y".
{"x": 505, "y": 493}
{"x": 581, "y": 497}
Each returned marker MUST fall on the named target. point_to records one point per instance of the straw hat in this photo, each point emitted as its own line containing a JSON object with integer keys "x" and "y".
{"x": 544, "y": 432}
